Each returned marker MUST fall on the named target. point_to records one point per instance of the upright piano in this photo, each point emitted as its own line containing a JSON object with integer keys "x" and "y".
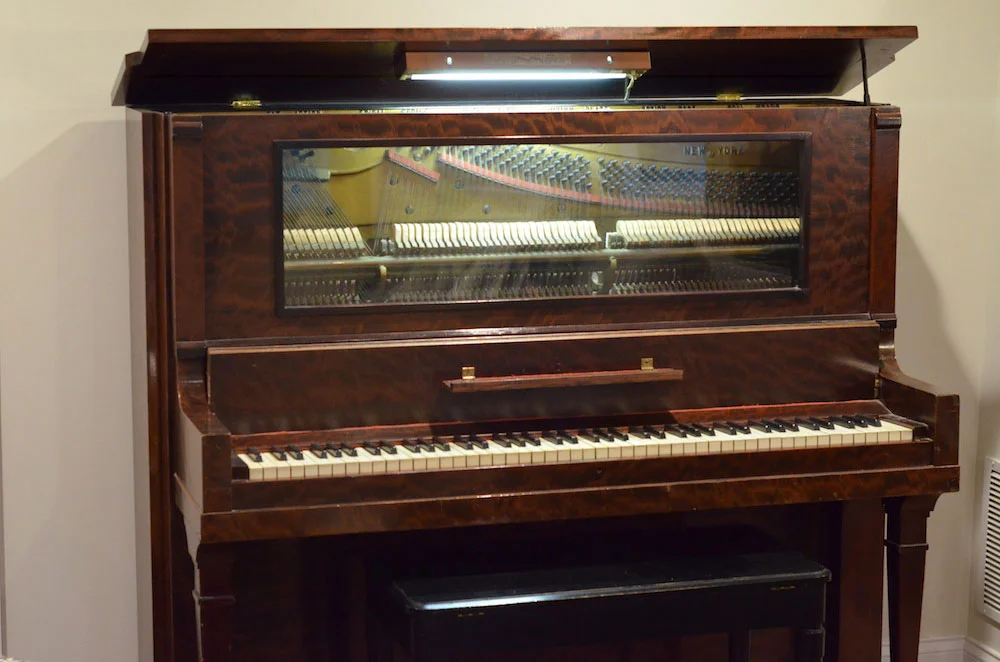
{"x": 439, "y": 294}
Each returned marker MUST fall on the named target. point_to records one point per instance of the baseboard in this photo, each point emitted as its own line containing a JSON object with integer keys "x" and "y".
{"x": 976, "y": 652}
{"x": 945, "y": 649}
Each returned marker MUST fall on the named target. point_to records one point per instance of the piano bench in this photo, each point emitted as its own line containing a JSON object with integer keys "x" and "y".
{"x": 446, "y": 617}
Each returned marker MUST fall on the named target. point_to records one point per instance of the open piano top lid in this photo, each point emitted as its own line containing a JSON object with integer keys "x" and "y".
{"x": 207, "y": 70}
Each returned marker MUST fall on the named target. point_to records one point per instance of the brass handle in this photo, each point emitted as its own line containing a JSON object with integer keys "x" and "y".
{"x": 472, "y": 384}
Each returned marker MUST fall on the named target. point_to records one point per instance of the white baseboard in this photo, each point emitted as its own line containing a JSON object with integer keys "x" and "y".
{"x": 976, "y": 652}
{"x": 946, "y": 649}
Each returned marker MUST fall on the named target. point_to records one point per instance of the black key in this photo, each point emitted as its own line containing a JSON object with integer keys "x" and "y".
{"x": 294, "y": 451}
{"x": 317, "y": 450}
{"x": 501, "y": 440}
{"x": 674, "y": 430}
{"x": 807, "y": 423}
{"x": 371, "y": 448}
{"x": 387, "y": 447}
{"x": 334, "y": 450}
{"x": 254, "y": 454}
{"x": 278, "y": 453}
{"x": 478, "y": 442}
{"x": 603, "y": 435}
{"x": 350, "y": 451}
{"x": 842, "y": 422}
{"x": 555, "y": 440}
{"x": 703, "y": 429}
{"x": 857, "y": 420}
{"x": 725, "y": 427}
{"x": 639, "y": 432}
{"x": 569, "y": 439}
{"x": 739, "y": 427}
{"x": 520, "y": 442}
{"x": 412, "y": 446}
{"x": 775, "y": 425}
{"x": 687, "y": 429}
{"x": 827, "y": 425}
{"x": 760, "y": 425}
{"x": 871, "y": 420}
{"x": 589, "y": 436}
{"x": 659, "y": 434}
{"x": 427, "y": 446}
{"x": 618, "y": 434}
{"x": 462, "y": 442}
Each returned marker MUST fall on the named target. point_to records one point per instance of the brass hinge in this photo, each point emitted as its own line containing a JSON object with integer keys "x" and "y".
{"x": 468, "y": 372}
{"x": 878, "y": 387}
{"x": 646, "y": 363}
{"x": 729, "y": 97}
{"x": 246, "y": 104}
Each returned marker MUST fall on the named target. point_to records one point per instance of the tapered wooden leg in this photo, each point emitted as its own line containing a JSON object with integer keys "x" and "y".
{"x": 214, "y": 601}
{"x": 906, "y": 554}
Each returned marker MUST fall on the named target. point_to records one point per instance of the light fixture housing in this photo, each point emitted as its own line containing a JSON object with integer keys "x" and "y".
{"x": 514, "y": 66}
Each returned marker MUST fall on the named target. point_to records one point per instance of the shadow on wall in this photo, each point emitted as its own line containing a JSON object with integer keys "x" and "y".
{"x": 64, "y": 332}
{"x": 926, "y": 352}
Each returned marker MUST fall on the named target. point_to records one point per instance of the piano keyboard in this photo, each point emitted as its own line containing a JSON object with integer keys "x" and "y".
{"x": 560, "y": 446}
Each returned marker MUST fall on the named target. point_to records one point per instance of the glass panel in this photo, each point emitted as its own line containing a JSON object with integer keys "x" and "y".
{"x": 418, "y": 224}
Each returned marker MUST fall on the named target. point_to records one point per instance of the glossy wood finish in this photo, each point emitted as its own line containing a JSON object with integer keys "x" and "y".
{"x": 920, "y": 401}
{"x": 148, "y": 151}
{"x": 188, "y": 208}
{"x": 562, "y": 380}
{"x": 886, "y": 122}
{"x": 209, "y": 68}
{"x": 347, "y": 385}
{"x": 855, "y": 613}
{"x": 215, "y": 602}
{"x": 241, "y": 218}
{"x": 228, "y": 370}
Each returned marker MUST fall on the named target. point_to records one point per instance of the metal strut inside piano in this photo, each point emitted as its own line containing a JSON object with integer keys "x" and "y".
{"x": 390, "y": 319}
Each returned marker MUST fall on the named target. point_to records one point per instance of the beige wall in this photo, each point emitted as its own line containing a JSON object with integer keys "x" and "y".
{"x": 67, "y": 429}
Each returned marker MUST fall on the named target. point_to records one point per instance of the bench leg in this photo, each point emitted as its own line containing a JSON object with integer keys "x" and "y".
{"x": 739, "y": 646}
{"x": 379, "y": 643}
{"x": 809, "y": 645}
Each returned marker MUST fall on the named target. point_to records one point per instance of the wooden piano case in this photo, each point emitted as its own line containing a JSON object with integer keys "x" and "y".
{"x": 338, "y": 254}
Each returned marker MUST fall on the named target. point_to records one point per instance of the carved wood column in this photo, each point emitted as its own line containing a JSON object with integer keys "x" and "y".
{"x": 906, "y": 554}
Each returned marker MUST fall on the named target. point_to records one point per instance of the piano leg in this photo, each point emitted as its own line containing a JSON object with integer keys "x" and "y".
{"x": 906, "y": 553}
{"x": 855, "y": 616}
{"x": 214, "y": 601}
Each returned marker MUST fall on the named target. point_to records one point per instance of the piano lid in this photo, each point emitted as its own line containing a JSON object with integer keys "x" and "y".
{"x": 207, "y": 70}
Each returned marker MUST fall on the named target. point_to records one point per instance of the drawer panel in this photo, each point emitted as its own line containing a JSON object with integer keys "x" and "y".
{"x": 261, "y": 389}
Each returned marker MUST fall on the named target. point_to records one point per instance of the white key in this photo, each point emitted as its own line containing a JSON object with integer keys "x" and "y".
{"x": 471, "y": 458}
{"x": 354, "y": 464}
{"x": 415, "y": 461}
{"x": 282, "y": 468}
{"x": 556, "y": 452}
{"x": 256, "y": 468}
{"x": 297, "y": 467}
{"x": 324, "y": 466}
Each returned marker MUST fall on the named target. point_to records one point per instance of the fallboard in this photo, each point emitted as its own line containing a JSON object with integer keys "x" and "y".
{"x": 550, "y": 375}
